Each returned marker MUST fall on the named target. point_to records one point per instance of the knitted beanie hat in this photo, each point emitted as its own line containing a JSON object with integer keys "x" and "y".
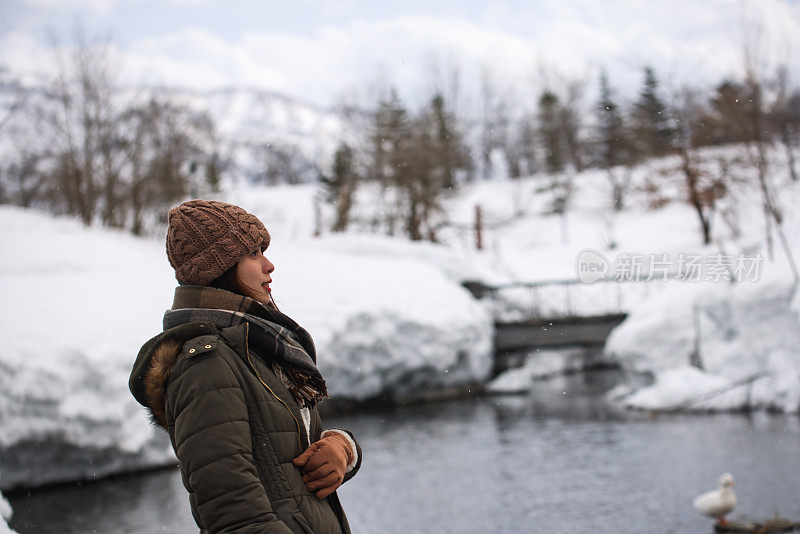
{"x": 205, "y": 238}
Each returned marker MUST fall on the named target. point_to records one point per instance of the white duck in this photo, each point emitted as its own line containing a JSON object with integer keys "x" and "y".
{"x": 719, "y": 502}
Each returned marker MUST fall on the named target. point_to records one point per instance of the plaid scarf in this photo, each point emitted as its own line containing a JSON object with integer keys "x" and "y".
{"x": 274, "y": 337}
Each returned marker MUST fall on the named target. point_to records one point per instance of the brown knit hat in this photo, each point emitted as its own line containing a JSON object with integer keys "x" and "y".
{"x": 205, "y": 238}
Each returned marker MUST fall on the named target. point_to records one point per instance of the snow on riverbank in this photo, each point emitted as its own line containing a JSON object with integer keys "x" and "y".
{"x": 5, "y": 512}
{"x": 5, "y": 515}
{"x": 740, "y": 331}
{"x": 743, "y": 331}
{"x": 386, "y": 316}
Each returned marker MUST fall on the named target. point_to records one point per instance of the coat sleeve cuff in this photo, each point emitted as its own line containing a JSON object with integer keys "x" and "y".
{"x": 350, "y": 441}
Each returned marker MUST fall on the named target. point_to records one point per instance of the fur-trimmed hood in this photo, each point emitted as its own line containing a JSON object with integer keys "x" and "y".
{"x": 154, "y": 364}
{"x": 193, "y": 310}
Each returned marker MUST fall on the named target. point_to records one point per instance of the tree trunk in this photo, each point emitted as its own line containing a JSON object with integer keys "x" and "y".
{"x": 617, "y": 192}
{"x": 694, "y": 194}
{"x": 787, "y": 144}
{"x": 343, "y": 204}
{"x": 478, "y": 228}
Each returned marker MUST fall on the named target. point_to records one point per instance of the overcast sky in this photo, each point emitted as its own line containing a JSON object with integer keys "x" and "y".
{"x": 322, "y": 50}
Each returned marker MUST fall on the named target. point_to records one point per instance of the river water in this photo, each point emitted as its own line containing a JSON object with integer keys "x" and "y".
{"x": 557, "y": 460}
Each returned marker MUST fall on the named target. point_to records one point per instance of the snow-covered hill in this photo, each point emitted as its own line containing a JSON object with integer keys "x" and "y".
{"x": 248, "y": 118}
{"x": 247, "y": 121}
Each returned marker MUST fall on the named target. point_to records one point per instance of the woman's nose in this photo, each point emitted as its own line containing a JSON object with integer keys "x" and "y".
{"x": 268, "y": 267}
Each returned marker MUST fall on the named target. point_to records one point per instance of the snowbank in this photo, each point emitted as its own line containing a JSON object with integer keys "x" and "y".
{"x": 385, "y": 315}
{"x": 5, "y": 515}
{"x": 741, "y": 331}
{"x": 73, "y": 317}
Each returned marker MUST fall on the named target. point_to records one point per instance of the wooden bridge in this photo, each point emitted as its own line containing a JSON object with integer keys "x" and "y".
{"x": 555, "y": 314}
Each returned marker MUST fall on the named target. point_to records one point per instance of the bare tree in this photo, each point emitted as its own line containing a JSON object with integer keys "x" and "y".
{"x": 170, "y": 152}
{"x": 758, "y": 138}
{"x": 784, "y": 118}
{"x": 84, "y": 148}
{"x": 702, "y": 189}
{"x": 80, "y": 117}
{"x": 495, "y": 124}
{"x": 18, "y": 97}
{"x": 283, "y": 163}
{"x": 21, "y": 174}
{"x": 24, "y": 179}
{"x": 520, "y": 147}
{"x": 570, "y": 122}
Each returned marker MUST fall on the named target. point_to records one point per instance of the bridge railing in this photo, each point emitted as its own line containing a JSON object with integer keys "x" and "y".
{"x": 518, "y": 301}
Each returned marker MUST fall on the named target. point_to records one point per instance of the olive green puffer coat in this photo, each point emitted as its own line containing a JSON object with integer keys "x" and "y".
{"x": 235, "y": 429}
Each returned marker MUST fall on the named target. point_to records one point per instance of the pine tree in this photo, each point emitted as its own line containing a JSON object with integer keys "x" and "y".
{"x": 732, "y": 111}
{"x": 451, "y": 152}
{"x": 415, "y": 158}
{"x": 391, "y": 139}
{"x": 340, "y": 187}
{"x": 613, "y": 143}
{"x": 651, "y": 124}
{"x": 611, "y": 134}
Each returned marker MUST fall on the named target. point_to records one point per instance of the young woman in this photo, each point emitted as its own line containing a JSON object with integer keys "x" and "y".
{"x": 235, "y": 384}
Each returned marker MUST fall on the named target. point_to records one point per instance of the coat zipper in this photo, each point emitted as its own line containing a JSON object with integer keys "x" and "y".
{"x": 253, "y": 367}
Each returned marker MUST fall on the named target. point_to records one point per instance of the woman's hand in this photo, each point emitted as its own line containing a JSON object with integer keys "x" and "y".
{"x": 324, "y": 463}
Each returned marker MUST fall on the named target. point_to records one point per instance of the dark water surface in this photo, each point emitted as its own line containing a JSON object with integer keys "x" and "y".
{"x": 558, "y": 460}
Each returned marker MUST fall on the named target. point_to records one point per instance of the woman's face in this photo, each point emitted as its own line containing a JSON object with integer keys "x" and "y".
{"x": 253, "y": 272}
